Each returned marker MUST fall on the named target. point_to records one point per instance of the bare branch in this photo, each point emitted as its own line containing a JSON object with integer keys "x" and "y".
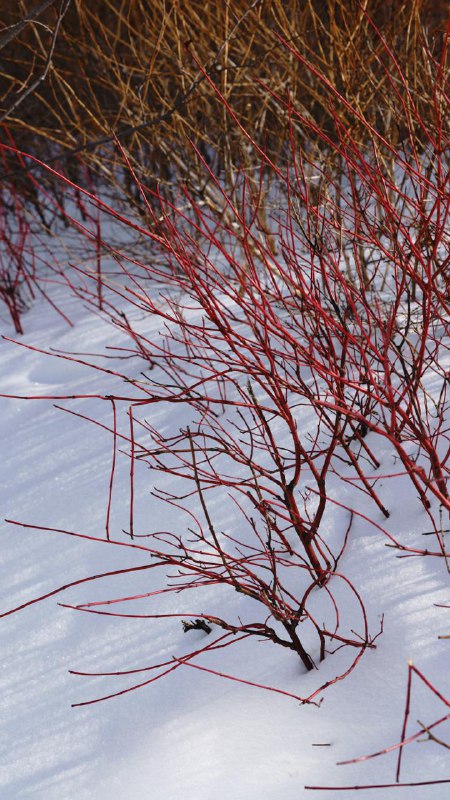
{"x": 15, "y": 30}
{"x": 33, "y": 86}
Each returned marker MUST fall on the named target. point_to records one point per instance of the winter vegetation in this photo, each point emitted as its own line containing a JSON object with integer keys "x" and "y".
{"x": 224, "y": 287}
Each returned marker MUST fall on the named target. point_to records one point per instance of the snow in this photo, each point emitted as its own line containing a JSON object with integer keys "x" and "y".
{"x": 190, "y": 735}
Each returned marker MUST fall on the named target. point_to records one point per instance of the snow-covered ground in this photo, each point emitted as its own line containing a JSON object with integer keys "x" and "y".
{"x": 191, "y": 735}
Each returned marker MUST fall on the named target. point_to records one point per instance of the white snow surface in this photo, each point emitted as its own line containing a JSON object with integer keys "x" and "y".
{"x": 190, "y": 735}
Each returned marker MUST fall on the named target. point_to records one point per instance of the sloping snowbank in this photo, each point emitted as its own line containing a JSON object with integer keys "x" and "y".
{"x": 190, "y": 735}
